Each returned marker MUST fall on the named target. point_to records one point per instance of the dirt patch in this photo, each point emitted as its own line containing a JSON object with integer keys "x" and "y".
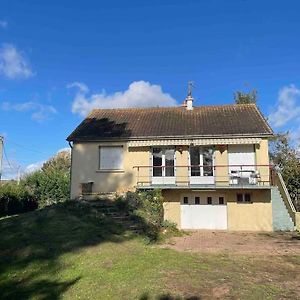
{"x": 285, "y": 243}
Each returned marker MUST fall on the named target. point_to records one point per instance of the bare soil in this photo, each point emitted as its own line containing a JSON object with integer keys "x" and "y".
{"x": 277, "y": 243}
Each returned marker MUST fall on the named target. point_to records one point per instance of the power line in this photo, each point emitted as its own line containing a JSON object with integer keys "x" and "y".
{"x": 26, "y": 148}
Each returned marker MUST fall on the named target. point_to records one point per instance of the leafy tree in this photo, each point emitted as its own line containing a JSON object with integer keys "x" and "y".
{"x": 244, "y": 97}
{"x": 286, "y": 158}
{"x": 51, "y": 184}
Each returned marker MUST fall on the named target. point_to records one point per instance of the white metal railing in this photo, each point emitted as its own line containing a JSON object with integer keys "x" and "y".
{"x": 233, "y": 175}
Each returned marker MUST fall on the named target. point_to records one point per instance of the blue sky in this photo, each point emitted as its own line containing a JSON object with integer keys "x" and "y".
{"x": 59, "y": 59}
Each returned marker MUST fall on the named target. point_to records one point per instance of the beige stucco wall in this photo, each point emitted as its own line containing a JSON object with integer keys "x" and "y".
{"x": 262, "y": 158}
{"x": 255, "y": 216}
{"x": 85, "y": 167}
{"x": 182, "y": 161}
{"x": 297, "y": 218}
{"x": 172, "y": 206}
{"x": 221, "y": 172}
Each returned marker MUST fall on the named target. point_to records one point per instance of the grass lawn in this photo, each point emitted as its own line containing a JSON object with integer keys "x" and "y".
{"x": 70, "y": 251}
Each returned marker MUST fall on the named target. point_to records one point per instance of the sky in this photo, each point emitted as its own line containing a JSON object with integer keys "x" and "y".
{"x": 60, "y": 59}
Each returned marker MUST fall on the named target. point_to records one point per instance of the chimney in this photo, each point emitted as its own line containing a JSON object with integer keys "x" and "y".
{"x": 188, "y": 102}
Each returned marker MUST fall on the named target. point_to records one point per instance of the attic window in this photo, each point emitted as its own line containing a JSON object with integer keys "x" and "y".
{"x": 111, "y": 157}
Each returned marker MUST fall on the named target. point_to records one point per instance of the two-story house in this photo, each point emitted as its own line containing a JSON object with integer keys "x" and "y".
{"x": 211, "y": 163}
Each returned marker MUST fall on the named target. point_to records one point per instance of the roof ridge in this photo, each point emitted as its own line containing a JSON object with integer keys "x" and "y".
{"x": 172, "y": 107}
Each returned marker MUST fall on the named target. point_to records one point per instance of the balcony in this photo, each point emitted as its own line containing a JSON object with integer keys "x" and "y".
{"x": 202, "y": 177}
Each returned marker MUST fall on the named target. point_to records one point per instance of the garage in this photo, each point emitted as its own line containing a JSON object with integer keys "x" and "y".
{"x": 203, "y": 212}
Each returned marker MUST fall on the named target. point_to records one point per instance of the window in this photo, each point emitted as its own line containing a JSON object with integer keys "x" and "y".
{"x": 239, "y": 197}
{"x": 243, "y": 198}
{"x": 185, "y": 200}
{"x": 221, "y": 200}
{"x": 197, "y": 200}
{"x": 111, "y": 158}
{"x": 201, "y": 160}
{"x": 247, "y": 198}
{"x": 209, "y": 200}
{"x": 163, "y": 162}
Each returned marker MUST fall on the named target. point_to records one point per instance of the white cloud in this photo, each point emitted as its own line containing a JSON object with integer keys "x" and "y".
{"x": 138, "y": 94}
{"x": 286, "y": 115}
{"x": 82, "y": 87}
{"x": 66, "y": 149}
{"x": 39, "y": 112}
{"x": 13, "y": 63}
{"x": 3, "y": 24}
{"x": 287, "y": 107}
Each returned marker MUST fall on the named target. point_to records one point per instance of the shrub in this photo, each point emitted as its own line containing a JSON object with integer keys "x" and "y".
{"x": 149, "y": 208}
{"x": 51, "y": 184}
{"x": 15, "y": 199}
{"x": 49, "y": 187}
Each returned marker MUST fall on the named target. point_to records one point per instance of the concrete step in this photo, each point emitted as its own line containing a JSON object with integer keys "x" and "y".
{"x": 282, "y": 220}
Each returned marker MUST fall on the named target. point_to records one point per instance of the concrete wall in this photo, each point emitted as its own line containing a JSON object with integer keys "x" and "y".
{"x": 85, "y": 167}
{"x": 255, "y": 216}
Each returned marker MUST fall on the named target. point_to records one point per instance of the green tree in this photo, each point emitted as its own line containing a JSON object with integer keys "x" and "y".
{"x": 51, "y": 184}
{"x": 245, "y": 97}
{"x": 286, "y": 158}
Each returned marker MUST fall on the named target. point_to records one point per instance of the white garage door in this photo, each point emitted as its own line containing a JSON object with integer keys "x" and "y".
{"x": 203, "y": 215}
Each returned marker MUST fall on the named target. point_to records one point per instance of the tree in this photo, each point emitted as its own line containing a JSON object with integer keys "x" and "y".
{"x": 286, "y": 158}
{"x": 244, "y": 97}
{"x": 51, "y": 184}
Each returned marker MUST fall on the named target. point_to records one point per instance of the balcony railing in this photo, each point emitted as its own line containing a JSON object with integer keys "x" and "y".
{"x": 205, "y": 176}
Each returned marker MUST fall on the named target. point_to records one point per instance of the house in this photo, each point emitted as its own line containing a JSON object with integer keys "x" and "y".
{"x": 211, "y": 163}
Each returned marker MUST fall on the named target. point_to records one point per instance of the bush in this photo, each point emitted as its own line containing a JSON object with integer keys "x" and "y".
{"x": 49, "y": 187}
{"x": 15, "y": 199}
{"x": 148, "y": 206}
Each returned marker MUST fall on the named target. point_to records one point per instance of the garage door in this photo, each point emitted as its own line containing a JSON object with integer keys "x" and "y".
{"x": 203, "y": 213}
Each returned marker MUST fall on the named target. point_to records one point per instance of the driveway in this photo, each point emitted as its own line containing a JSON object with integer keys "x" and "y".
{"x": 281, "y": 243}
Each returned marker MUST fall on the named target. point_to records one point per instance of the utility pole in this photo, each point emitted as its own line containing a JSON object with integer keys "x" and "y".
{"x": 1, "y": 154}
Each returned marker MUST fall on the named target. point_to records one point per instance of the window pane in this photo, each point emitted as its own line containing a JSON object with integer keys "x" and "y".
{"x": 197, "y": 200}
{"x": 195, "y": 161}
{"x": 157, "y": 162}
{"x": 185, "y": 200}
{"x": 239, "y": 197}
{"x": 209, "y": 200}
{"x": 207, "y": 161}
{"x": 169, "y": 161}
{"x": 247, "y": 198}
{"x": 111, "y": 158}
{"x": 221, "y": 200}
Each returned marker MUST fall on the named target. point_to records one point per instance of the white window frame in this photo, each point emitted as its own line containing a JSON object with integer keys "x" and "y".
{"x": 202, "y": 179}
{"x": 112, "y": 168}
{"x": 164, "y": 179}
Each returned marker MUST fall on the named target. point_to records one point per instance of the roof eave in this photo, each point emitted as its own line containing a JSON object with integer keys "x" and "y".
{"x": 88, "y": 139}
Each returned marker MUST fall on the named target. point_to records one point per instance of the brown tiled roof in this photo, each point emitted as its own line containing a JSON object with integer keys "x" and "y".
{"x": 202, "y": 121}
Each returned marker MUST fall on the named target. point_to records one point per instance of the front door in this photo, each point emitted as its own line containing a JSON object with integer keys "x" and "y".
{"x": 163, "y": 165}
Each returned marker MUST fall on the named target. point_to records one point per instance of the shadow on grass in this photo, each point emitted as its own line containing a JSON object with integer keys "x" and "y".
{"x": 31, "y": 245}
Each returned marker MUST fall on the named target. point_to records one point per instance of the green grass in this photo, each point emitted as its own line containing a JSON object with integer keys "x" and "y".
{"x": 71, "y": 251}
